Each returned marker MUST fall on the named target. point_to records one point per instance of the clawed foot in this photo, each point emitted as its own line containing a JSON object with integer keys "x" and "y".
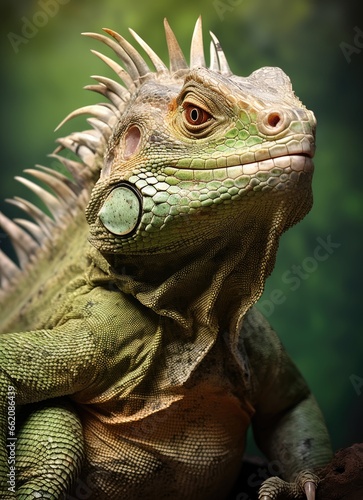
{"x": 304, "y": 487}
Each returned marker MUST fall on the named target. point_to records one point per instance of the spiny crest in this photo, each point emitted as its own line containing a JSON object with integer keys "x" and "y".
{"x": 70, "y": 196}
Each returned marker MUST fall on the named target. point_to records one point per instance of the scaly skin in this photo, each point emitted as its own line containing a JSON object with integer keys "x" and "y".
{"x": 138, "y": 359}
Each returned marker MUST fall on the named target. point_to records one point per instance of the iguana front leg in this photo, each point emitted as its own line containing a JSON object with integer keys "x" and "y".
{"x": 288, "y": 425}
{"x": 90, "y": 349}
{"x": 298, "y": 441}
{"x": 49, "y": 450}
{"x": 40, "y": 365}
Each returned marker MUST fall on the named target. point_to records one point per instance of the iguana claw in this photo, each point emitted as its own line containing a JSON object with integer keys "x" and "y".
{"x": 310, "y": 488}
{"x": 275, "y": 488}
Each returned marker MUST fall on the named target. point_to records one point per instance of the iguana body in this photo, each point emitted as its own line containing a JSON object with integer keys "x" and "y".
{"x": 148, "y": 329}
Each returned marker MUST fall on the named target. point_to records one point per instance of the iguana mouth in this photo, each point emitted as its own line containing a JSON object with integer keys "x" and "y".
{"x": 302, "y": 146}
{"x": 298, "y": 162}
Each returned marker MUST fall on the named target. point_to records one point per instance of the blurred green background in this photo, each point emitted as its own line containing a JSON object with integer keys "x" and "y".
{"x": 318, "y": 316}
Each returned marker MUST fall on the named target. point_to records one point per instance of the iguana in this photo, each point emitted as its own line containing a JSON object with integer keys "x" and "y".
{"x": 131, "y": 346}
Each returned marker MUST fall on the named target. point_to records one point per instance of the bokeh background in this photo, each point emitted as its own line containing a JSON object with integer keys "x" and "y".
{"x": 315, "y": 305}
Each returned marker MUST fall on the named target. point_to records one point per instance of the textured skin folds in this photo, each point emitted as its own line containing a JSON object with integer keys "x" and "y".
{"x": 130, "y": 342}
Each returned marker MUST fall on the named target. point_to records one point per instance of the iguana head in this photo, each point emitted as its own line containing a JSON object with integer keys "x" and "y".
{"x": 198, "y": 152}
{"x": 202, "y": 172}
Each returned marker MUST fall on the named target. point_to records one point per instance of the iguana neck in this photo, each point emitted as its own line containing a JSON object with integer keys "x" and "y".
{"x": 210, "y": 285}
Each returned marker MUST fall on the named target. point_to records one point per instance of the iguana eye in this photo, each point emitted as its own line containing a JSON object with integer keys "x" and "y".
{"x": 195, "y": 115}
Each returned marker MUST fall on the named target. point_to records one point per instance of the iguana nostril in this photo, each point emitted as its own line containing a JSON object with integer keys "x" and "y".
{"x": 272, "y": 121}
